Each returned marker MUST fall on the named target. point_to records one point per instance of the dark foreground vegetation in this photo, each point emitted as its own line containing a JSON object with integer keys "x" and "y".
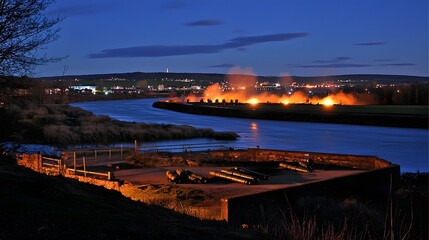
{"x": 36, "y": 206}
{"x": 27, "y": 122}
{"x": 404, "y": 215}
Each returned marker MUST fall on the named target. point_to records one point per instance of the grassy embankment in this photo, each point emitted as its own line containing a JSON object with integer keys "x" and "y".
{"x": 25, "y": 122}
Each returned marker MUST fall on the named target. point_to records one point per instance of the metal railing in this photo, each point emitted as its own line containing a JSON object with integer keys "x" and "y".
{"x": 183, "y": 147}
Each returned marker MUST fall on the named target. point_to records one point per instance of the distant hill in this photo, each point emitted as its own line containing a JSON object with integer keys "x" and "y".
{"x": 216, "y": 77}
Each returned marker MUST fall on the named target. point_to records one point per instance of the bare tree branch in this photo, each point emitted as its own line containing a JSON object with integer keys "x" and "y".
{"x": 24, "y": 30}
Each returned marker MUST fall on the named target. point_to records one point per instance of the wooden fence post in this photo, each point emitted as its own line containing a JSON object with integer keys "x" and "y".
{"x": 39, "y": 162}
{"x": 84, "y": 166}
{"x": 122, "y": 157}
{"x": 74, "y": 162}
{"x": 59, "y": 167}
{"x": 110, "y": 176}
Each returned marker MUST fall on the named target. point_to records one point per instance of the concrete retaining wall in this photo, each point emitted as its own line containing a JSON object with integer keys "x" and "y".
{"x": 266, "y": 155}
{"x": 259, "y": 208}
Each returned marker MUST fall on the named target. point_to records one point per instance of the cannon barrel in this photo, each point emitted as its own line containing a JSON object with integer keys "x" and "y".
{"x": 253, "y": 173}
{"x": 292, "y": 167}
{"x": 172, "y": 176}
{"x": 185, "y": 176}
{"x": 231, "y": 177}
{"x": 240, "y": 174}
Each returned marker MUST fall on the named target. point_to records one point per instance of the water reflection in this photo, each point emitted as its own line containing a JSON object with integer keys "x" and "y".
{"x": 407, "y": 147}
{"x": 254, "y": 127}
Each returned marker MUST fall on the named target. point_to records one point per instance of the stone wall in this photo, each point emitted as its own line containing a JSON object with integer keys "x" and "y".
{"x": 266, "y": 155}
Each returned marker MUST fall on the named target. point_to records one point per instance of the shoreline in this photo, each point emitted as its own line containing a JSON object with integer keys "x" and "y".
{"x": 338, "y": 114}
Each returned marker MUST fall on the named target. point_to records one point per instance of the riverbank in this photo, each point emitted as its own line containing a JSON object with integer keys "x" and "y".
{"x": 60, "y": 124}
{"x": 387, "y": 116}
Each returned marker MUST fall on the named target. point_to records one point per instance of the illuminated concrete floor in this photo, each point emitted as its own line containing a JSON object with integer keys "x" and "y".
{"x": 280, "y": 178}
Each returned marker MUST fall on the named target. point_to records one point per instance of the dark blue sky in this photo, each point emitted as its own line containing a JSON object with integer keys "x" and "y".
{"x": 270, "y": 37}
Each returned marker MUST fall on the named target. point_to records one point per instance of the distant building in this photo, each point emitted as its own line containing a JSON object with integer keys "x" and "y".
{"x": 90, "y": 89}
{"x": 52, "y": 91}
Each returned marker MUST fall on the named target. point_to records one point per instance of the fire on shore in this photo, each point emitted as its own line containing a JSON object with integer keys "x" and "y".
{"x": 375, "y": 115}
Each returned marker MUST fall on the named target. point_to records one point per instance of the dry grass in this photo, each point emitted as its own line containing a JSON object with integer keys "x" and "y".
{"x": 350, "y": 218}
{"x": 63, "y": 125}
{"x": 186, "y": 200}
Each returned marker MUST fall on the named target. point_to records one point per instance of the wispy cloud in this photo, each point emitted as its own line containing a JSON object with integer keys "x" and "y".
{"x": 225, "y": 65}
{"x": 176, "y": 50}
{"x": 335, "y": 60}
{"x": 334, "y": 65}
{"x": 155, "y": 51}
{"x": 397, "y": 64}
{"x": 246, "y": 41}
{"x": 353, "y": 65}
{"x": 383, "y": 60}
{"x": 369, "y": 44}
{"x": 206, "y": 22}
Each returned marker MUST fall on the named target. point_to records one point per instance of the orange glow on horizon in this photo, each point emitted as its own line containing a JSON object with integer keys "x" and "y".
{"x": 241, "y": 84}
{"x": 327, "y": 102}
{"x": 253, "y": 101}
{"x": 214, "y": 92}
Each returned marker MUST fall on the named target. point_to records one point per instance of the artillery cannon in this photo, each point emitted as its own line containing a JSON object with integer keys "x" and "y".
{"x": 294, "y": 168}
{"x": 306, "y": 163}
{"x": 260, "y": 176}
{"x": 231, "y": 177}
{"x": 240, "y": 174}
{"x": 184, "y": 176}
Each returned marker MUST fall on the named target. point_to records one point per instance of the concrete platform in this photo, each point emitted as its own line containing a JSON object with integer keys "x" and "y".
{"x": 335, "y": 176}
{"x": 220, "y": 188}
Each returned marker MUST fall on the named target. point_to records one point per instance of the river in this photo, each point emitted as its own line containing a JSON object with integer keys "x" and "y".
{"x": 403, "y": 146}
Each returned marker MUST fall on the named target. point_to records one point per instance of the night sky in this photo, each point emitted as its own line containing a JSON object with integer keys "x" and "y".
{"x": 263, "y": 37}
